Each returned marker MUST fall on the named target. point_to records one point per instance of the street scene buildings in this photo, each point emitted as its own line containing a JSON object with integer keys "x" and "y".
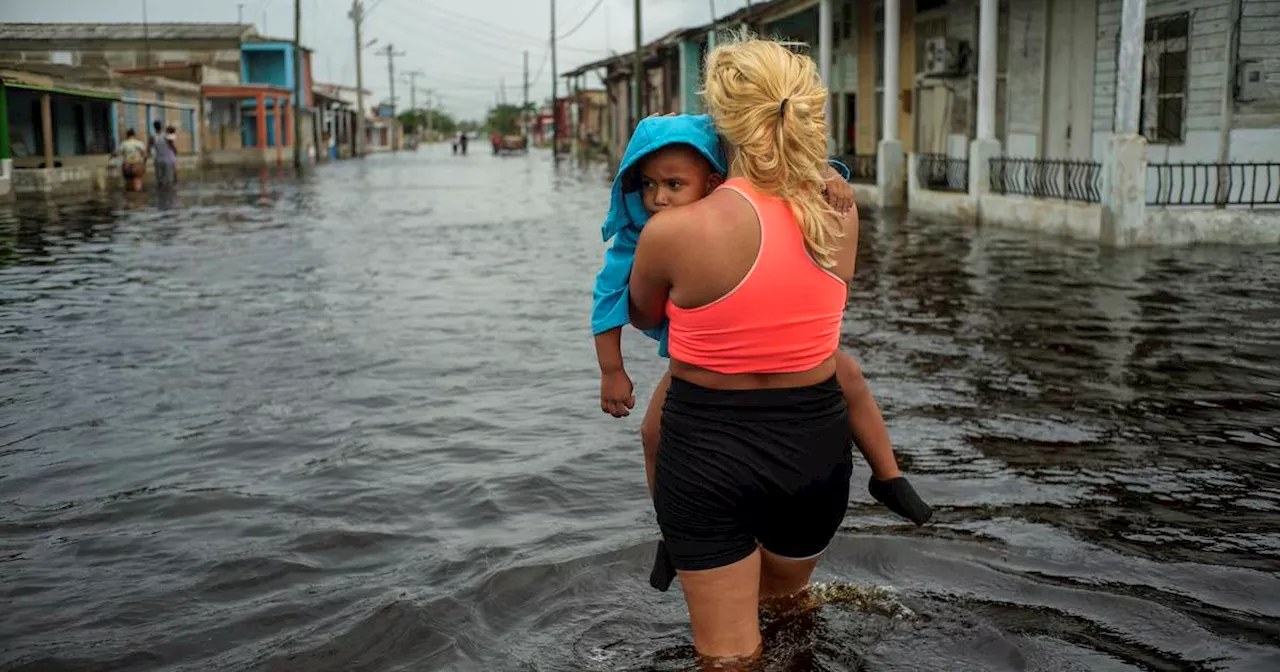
{"x": 1130, "y": 123}
{"x": 69, "y": 92}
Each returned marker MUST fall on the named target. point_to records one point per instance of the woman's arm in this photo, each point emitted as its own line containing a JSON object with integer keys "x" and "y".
{"x": 650, "y": 273}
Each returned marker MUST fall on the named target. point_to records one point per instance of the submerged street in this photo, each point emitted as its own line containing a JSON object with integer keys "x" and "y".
{"x": 350, "y": 421}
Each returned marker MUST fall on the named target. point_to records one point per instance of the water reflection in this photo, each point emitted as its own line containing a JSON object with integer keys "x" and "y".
{"x": 345, "y": 421}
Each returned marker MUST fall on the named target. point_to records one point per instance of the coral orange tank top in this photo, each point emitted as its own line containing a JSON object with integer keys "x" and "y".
{"x": 783, "y": 317}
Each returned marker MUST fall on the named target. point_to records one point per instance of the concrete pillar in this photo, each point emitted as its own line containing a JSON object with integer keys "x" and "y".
{"x": 6, "y": 160}
{"x": 262, "y": 122}
{"x": 114, "y": 118}
{"x": 891, "y": 162}
{"x": 986, "y": 146}
{"x": 987, "y": 22}
{"x": 1129, "y": 68}
{"x": 1124, "y": 217}
{"x": 46, "y": 125}
{"x": 275, "y": 120}
{"x": 289, "y": 121}
{"x": 826, "y": 36}
{"x": 892, "y": 68}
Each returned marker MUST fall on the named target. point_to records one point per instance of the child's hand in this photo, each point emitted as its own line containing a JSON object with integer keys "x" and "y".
{"x": 839, "y": 194}
{"x": 617, "y": 394}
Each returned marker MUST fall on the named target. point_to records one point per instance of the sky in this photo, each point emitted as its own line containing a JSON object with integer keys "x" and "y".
{"x": 464, "y": 48}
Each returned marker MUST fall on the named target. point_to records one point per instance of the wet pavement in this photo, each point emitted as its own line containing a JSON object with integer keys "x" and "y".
{"x": 350, "y": 422}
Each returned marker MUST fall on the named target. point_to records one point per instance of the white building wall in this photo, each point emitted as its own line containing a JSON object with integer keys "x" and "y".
{"x": 1026, "y": 77}
{"x": 1208, "y": 61}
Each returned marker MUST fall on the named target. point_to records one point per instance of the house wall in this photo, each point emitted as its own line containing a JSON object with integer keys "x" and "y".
{"x": 267, "y": 67}
{"x": 1255, "y": 134}
{"x": 870, "y": 21}
{"x": 124, "y": 53}
{"x": 1028, "y": 42}
{"x": 81, "y": 126}
{"x": 139, "y": 115}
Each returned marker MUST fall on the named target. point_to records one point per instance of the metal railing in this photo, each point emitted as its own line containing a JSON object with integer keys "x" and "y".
{"x": 940, "y": 172}
{"x": 862, "y": 167}
{"x": 1250, "y": 184}
{"x": 1048, "y": 178}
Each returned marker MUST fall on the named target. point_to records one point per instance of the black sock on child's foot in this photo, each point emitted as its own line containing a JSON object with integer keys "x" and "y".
{"x": 901, "y": 498}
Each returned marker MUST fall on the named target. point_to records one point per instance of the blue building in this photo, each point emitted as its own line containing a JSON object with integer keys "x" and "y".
{"x": 271, "y": 62}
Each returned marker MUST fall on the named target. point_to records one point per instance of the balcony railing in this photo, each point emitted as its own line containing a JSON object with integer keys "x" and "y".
{"x": 1246, "y": 184}
{"x": 1048, "y": 178}
{"x": 940, "y": 172}
{"x": 862, "y": 167}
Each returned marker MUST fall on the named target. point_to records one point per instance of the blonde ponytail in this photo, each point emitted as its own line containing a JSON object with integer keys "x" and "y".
{"x": 769, "y": 104}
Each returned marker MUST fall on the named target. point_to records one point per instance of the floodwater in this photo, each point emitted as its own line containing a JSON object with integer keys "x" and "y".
{"x": 350, "y": 422}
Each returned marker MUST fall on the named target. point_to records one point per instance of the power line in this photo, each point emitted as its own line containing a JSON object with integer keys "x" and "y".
{"x": 545, "y": 55}
{"x": 481, "y": 26}
{"x": 583, "y": 22}
{"x": 470, "y": 43}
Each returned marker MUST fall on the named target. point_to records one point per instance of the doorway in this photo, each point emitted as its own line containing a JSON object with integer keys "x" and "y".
{"x": 1068, "y": 118}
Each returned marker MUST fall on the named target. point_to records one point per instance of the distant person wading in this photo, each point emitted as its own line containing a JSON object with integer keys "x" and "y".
{"x": 166, "y": 156}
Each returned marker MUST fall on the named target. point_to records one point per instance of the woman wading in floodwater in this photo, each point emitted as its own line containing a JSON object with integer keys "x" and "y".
{"x": 754, "y": 461}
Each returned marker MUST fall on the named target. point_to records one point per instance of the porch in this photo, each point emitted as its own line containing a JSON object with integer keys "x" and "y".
{"x": 249, "y": 124}
{"x": 55, "y": 135}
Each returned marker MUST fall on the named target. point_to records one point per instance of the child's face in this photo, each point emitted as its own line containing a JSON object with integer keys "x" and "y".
{"x": 674, "y": 176}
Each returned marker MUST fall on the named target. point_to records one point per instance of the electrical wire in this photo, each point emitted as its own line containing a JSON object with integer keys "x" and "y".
{"x": 583, "y": 22}
{"x": 481, "y": 26}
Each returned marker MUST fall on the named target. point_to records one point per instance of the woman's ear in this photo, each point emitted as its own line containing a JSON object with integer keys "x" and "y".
{"x": 714, "y": 181}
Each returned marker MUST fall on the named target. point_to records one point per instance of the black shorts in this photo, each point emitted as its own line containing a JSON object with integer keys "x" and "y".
{"x": 741, "y": 467}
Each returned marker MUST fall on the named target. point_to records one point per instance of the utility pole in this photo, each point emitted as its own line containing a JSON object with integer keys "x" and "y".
{"x": 297, "y": 85}
{"x": 413, "y": 96}
{"x": 637, "y": 88}
{"x": 502, "y": 86}
{"x": 555, "y": 80}
{"x": 524, "y": 109}
{"x": 357, "y": 16}
{"x": 146, "y": 33}
{"x": 391, "y": 53}
{"x": 239, "y": 12}
{"x": 431, "y": 113}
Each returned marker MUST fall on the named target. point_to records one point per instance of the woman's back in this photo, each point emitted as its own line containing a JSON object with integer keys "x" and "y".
{"x": 756, "y": 302}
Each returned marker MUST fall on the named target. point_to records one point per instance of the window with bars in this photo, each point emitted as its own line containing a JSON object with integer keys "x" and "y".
{"x": 1165, "y": 76}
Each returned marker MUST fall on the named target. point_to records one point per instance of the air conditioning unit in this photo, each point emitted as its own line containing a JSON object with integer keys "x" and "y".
{"x": 944, "y": 56}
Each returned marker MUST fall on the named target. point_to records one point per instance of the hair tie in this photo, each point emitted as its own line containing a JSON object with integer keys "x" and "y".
{"x": 782, "y": 109}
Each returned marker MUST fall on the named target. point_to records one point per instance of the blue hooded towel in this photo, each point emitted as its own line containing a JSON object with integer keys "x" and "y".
{"x": 627, "y": 215}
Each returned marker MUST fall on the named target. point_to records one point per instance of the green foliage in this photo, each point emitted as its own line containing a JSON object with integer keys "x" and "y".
{"x": 505, "y": 119}
{"x": 416, "y": 119}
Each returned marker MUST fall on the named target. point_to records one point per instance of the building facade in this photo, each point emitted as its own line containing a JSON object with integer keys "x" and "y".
{"x": 962, "y": 105}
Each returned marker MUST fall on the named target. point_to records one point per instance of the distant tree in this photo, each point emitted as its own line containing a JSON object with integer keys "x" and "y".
{"x": 505, "y": 119}
{"x": 417, "y": 119}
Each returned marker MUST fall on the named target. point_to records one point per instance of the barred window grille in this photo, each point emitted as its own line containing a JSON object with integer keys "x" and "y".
{"x": 1165, "y": 77}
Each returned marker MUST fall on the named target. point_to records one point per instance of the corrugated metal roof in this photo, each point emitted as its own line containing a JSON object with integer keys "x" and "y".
{"x": 126, "y": 31}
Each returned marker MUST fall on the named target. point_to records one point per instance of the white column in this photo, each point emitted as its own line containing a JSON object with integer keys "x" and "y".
{"x": 825, "y": 38}
{"x": 1124, "y": 217}
{"x": 987, "y": 69}
{"x": 986, "y": 147}
{"x": 891, "y": 163}
{"x": 1129, "y": 68}
{"x": 892, "y": 85}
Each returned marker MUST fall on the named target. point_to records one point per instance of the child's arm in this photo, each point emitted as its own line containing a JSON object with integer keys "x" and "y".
{"x": 617, "y": 394}
{"x": 609, "y": 312}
